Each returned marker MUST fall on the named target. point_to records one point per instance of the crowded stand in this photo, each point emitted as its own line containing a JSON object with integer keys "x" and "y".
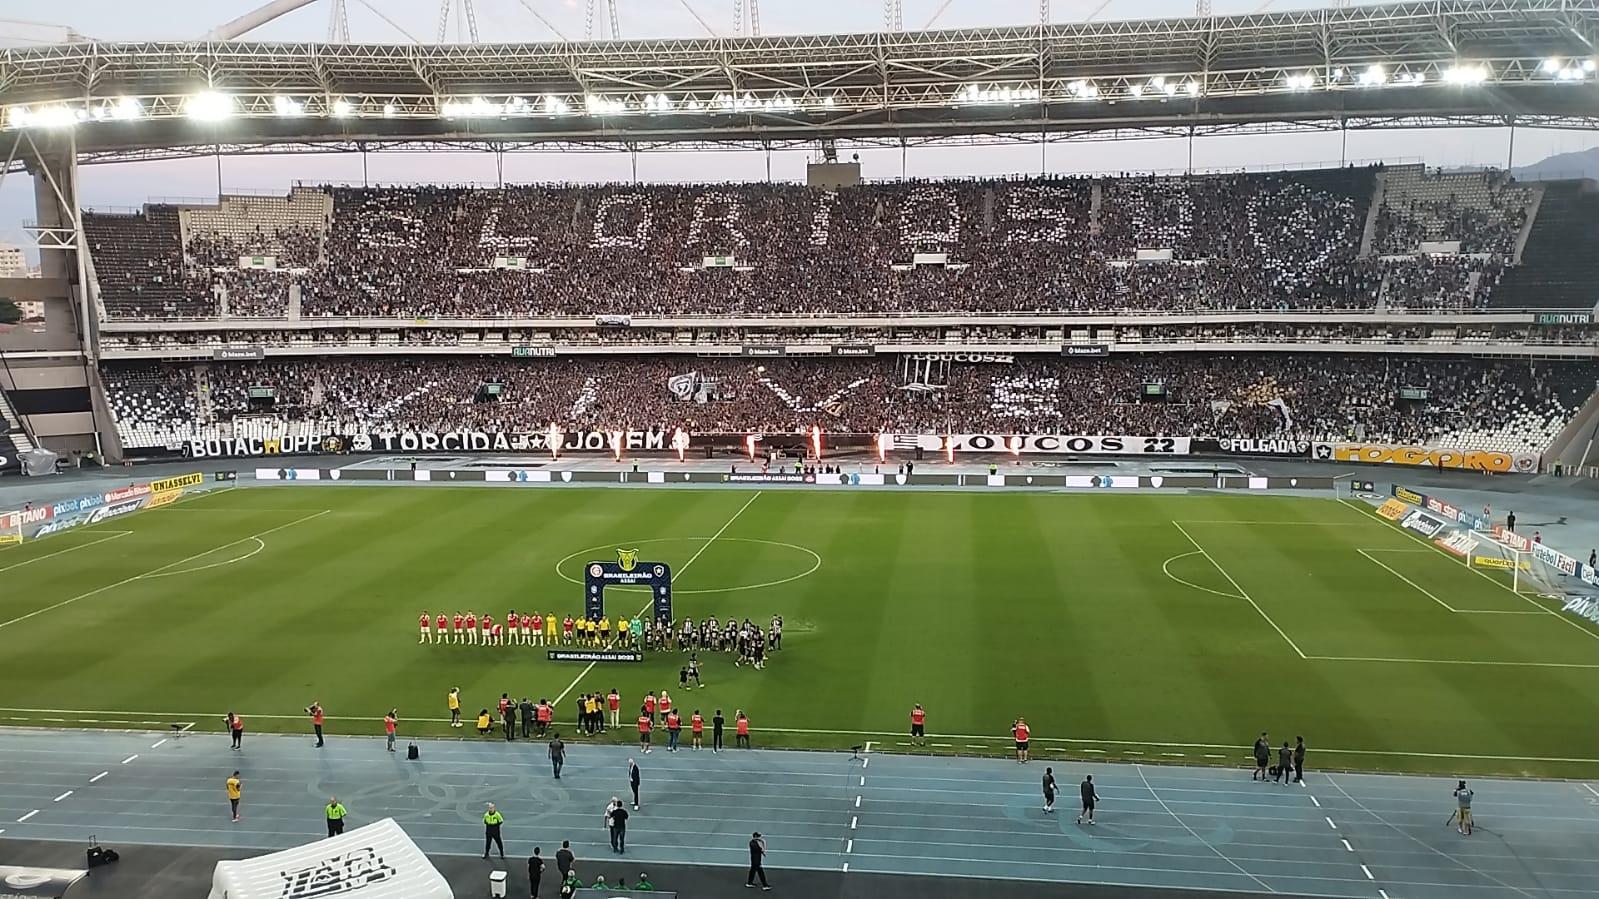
{"x": 1271, "y": 241}
{"x": 1301, "y": 395}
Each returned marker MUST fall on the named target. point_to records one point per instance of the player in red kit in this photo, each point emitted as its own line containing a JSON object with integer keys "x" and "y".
{"x": 512, "y": 623}
{"x": 499, "y": 634}
{"x": 487, "y": 623}
{"x": 537, "y": 635}
{"x": 455, "y": 630}
{"x": 440, "y": 632}
{"x": 527, "y": 630}
{"x": 566, "y": 631}
{"x": 471, "y": 628}
{"x": 426, "y": 620}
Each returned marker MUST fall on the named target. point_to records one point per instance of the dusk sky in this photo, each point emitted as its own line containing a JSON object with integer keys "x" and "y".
{"x": 25, "y": 22}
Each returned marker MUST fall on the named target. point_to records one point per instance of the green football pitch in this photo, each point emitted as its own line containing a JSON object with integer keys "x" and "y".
{"x": 1162, "y": 628}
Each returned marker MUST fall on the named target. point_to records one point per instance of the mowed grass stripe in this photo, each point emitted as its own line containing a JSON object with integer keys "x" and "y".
{"x": 982, "y": 606}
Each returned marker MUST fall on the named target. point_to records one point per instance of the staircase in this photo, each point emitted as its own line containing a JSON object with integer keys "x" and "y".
{"x": 1577, "y": 447}
{"x": 1560, "y": 261}
{"x": 11, "y": 428}
{"x": 1369, "y": 232}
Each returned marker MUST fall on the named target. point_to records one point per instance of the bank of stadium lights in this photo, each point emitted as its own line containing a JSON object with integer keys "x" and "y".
{"x": 288, "y": 107}
{"x": 1568, "y": 70}
{"x": 996, "y": 95}
{"x": 1082, "y": 90}
{"x": 1374, "y": 76}
{"x": 1466, "y": 74}
{"x": 209, "y": 106}
{"x": 1300, "y": 81}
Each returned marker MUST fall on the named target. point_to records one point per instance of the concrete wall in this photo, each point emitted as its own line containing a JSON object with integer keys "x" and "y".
{"x": 61, "y": 424}
{"x": 21, "y": 376}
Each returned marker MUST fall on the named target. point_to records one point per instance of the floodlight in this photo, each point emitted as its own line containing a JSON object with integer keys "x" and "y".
{"x": 1191, "y": 88}
{"x": 1551, "y": 65}
{"x": 209, "y": 106}
{"x": 288, "y": 107}
{"x": 388, "y": 110}
{"x": 1587, "y": 65}
{"x": 126, "y": 109}
{"x": 1375, "y": 74}
{"x": 1137, "y": 90}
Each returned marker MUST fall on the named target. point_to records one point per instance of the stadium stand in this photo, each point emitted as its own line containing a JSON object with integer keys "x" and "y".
{"x": 1310, "y": 396}
{"x": 1295, "y": 240}
{"x": 1560, "y": 265}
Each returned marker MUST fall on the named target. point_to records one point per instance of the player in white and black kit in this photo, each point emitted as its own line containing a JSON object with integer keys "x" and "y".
{"x": 686, "y": 640}
{"x": 777, "y": 632}
{"x": 1049, "y": 790}
{"x": 758, "y": 650}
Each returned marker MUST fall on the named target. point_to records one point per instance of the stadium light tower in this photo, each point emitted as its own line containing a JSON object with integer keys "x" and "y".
{"x": 464, "y": 13}
{"x": 588, "y": 19}
{"x": 893, "y": 15}
{"x": 753, "y": 18}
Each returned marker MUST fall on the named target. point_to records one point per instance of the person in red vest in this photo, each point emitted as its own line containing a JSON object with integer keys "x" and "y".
{"x": 615, "y": 701}
{"x": 674, "y": 727}
{"x": 918, "y": 725}
{"x": 317, "y": 718}
{"x": 741, "y": 730}
{"x": 649, "y": 706}
{"x": 664, "y": 703}
{"x": 542, "y": 715}
{"x": 236, "y": 729}
{"x": 645, "y": 724}
{"x": 696, "y": 726}
{"x": 1021, "y": 733}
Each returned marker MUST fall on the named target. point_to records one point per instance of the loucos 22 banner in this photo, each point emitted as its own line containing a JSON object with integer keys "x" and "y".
{"x": 1026, "y": 444}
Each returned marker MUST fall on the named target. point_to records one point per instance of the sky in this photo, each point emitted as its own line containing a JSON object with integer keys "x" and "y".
{"x": 27, "y": 22}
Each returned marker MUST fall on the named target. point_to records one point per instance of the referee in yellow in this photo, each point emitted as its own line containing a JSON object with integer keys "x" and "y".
{"x": 336, "y": 812}
{"x": 234, "y": 793}
{"x": 492, "y": 819}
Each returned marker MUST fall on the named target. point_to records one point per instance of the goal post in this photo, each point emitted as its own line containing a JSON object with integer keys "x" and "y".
{"x": 1507, "y": 561}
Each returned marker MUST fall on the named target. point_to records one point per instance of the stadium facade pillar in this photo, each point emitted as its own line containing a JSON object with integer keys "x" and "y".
{"x": 51, "y": 157}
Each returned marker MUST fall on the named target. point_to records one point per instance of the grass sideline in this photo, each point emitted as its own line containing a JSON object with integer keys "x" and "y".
{"x": 1126, "y": 626}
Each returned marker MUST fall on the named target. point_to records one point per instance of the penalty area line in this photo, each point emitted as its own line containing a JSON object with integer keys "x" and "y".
{"x": 156, "y": 571}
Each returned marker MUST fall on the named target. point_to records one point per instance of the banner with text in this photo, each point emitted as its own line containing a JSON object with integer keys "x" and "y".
{"x": 1039, "y": 444}
{"x": 1426, "y": 456}
{"x": 1269, "y": 446}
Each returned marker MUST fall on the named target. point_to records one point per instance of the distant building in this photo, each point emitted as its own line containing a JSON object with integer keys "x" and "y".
{"x": 12, "y": 263}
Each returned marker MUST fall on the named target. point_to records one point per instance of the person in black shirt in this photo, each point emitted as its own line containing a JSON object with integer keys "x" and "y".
{"x": 527, "y": 718}
{"x": 1262, "y": 757}
{"x": 1299, "y": 760}
{"x": 1285, "y": 764}
{"x": 1090, "y": 798}
{"x": 716, "y": 731}
{"x": 564, "y": 858}
{"x": 633, "y": 781}
{"x": 557, "y": 759}
{"x": 1049, "y": 790}
{"x": 535, "y": 872}
{"x": 757, "y": 861}
{"x": 1510, "y": 522}
{"x": 619, "y": 828}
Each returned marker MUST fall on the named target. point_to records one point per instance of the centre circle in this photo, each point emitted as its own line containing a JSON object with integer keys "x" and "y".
{"x": 610, "y": 548}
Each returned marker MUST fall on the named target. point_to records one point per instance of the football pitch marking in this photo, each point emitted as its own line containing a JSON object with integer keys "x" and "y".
{"x": 112, "y": 535}
{"x": 1371, "y": 516}
{"x": 1002, "y": 742}
{"x": 156, "y": 571}
{"x": 1241, "y": 593}
{"x": 681, "y": 568}
{"x": 1430, "y": 595}
{"x": 259, "y": 546}
{"x": 1194, "y": 833}
{"x": 816, "y": 563}
{"x": 1167, "y": 571}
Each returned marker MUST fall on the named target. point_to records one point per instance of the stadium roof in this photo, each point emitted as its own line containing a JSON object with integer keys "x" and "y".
{"x": 1455, "y": 62}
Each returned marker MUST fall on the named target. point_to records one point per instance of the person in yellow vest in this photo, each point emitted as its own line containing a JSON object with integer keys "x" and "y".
{"x": 234, "y": 794}
{"x": 492, "y": 819}
{"x": 483, "y": 723}
{"x": 336, "y": 813}
{"x": 454, "y": 701}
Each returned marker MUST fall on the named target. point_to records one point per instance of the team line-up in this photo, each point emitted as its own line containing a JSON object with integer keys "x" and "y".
{"x": 471, "y": 629}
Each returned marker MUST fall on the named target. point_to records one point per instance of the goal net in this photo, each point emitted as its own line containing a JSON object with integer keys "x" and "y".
{"x": 1508, "y": 561}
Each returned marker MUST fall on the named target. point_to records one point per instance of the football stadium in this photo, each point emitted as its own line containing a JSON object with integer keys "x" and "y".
{"x": 1134, "y": 451}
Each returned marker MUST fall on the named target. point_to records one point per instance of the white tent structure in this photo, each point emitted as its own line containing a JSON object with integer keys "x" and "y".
{"x": 378, "y": 861}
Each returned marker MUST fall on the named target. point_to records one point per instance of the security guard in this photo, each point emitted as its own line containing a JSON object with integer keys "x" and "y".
{"x": 492, "y": 819}
{"x": 336, "y": 812}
